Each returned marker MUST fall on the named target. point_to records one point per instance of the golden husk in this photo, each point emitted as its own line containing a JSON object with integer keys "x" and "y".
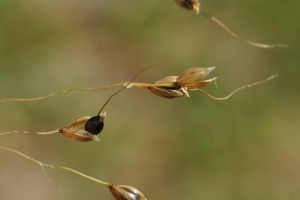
{"x": 76, "y": 131}
{"x": 169, "y": 92}
{"x": 192, "y": 5}
{"x": 124, "y": 192}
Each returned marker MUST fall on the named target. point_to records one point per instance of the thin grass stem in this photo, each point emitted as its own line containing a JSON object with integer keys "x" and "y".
{"x": 140, "y": 85}
{"x": 125, "y": 84}
{"x": 38, "y": 133}
{"x": 65, "y": 168}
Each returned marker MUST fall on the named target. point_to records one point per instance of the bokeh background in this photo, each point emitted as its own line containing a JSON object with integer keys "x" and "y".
{"x": 247, "y": 147}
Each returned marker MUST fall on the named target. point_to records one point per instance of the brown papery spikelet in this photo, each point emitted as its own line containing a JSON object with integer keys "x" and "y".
{"x": 192, "y": 5}
{"x": 76, "y": 131}
{"x": 169, "y": 92}
{"x": 195, "y": 77}
{"x": 124, "y": 192}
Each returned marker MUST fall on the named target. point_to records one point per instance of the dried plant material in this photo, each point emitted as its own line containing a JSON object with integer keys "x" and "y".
{"x": 224, "y": 98}
{"x": 60, "y": 92}
{"x": 82, "y": 131}
{"x": 239, "y": 37}
{"x": 195, "y": 77}
{"x": 124, "y": 192}
{"x": 169, "y": 92}
{"x": 192, "y": 78}
{"x": 192, "y": 5}
{"x": 51, "y": 166}
{"x": 86, "y": 129}
{"x": 125, "y": 84}
{"x": 95, "y": 124}
{"x": 119, "y": 192}
{"x": 38, "y": 133}
{"x": 170, "y": 80}
{"x": 78, "y": 130}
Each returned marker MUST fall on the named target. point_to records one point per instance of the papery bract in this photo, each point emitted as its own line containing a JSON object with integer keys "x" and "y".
{"x": 192, "y": 5}
{"x": 76, "y": 131}
{"x": 195, "y": 77}
{"x": 124, "y": 192}
{"x": 169, "y": 92}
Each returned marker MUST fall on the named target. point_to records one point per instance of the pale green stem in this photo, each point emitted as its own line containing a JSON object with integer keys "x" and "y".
{"x": 65, "y": 168}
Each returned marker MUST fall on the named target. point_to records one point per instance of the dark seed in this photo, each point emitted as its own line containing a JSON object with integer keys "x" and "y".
{"x": 94, "y": 125}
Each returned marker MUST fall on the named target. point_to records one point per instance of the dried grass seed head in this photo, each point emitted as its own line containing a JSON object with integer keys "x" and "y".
{"x": 192, "y": 78}
{"x": 76, "y": 130}
{"x": 124, "y": 192}
{"x": 195, "y": 77}
{"x": 192, "y": 5}
{"x": 169, "y": 92}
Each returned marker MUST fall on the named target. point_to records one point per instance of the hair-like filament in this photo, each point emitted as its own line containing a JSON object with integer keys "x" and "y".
{"x": 224, "y": 98}
{"x": 239, "y": 37}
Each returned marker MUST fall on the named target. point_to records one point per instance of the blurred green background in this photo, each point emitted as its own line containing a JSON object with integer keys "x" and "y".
{"x": 247, "y": 147}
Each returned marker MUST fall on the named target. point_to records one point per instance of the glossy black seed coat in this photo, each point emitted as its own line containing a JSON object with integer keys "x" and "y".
{"x": 94, "y": 125}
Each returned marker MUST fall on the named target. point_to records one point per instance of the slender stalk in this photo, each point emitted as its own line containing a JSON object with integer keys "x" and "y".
{"x": 126, "y": 85}
{"x": 65, "y": 168}
{"x": 239, "y": 37}
{"x": 224, "y": 98}
{"x": 140, "y": 85}
{"x": 39, "y": 133}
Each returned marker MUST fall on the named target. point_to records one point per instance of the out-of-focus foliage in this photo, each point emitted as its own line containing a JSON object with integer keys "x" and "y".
{"x": 247, "y": 147}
